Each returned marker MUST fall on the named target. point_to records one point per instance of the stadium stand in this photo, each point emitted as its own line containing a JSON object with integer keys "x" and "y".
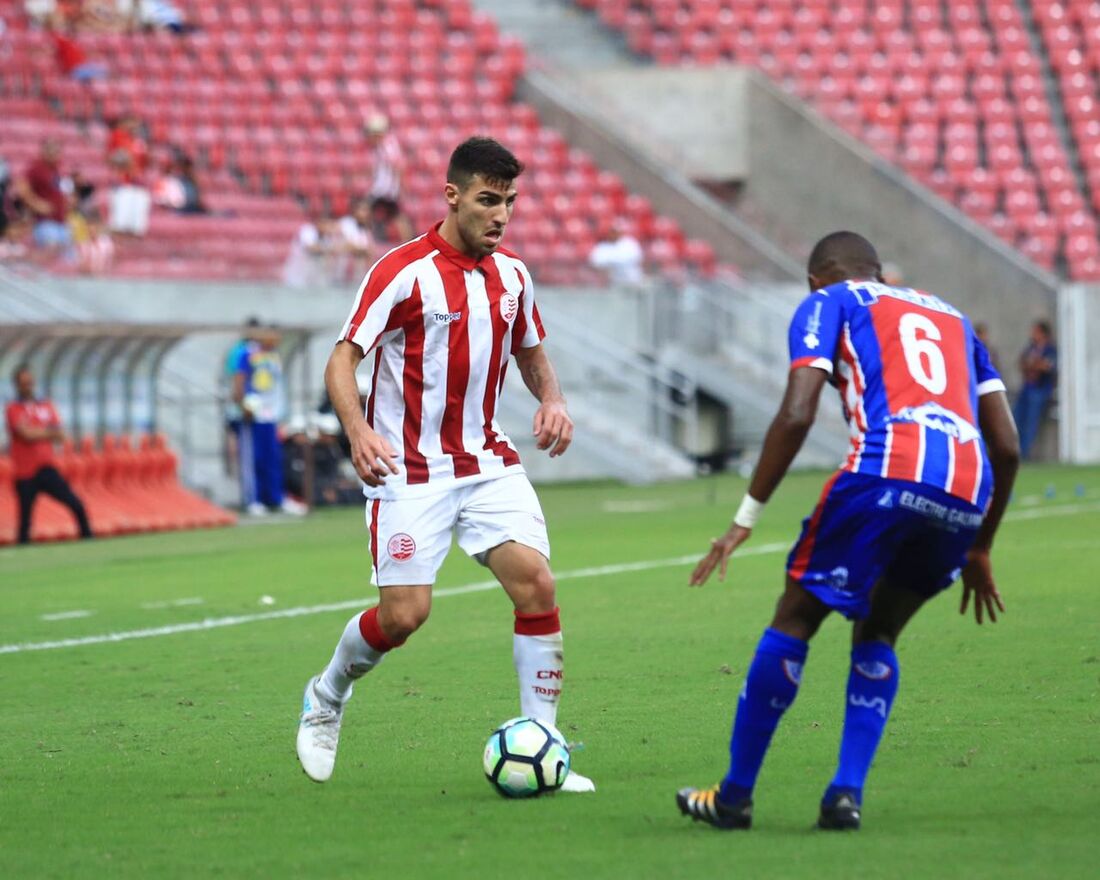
{"x": 271, "y": 98}
{"x": 953, "y": 93}
{"x": 126, "y": 485}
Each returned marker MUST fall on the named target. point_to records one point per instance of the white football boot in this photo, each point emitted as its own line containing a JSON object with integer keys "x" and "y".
{"x": 577, "y": 784}
{"x": 318, "y": 734}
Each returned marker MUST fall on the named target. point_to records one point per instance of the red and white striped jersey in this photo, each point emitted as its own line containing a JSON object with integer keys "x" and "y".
{"x": 438, "y": 329}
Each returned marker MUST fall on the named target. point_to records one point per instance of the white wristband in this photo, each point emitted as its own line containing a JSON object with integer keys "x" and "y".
{"x": 749, "y": 512}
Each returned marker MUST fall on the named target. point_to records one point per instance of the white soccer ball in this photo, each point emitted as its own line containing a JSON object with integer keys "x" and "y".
{"x": 525, "y": 757}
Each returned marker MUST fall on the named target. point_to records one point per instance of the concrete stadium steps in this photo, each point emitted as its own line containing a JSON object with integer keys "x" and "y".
{"x": 951, "y": 93}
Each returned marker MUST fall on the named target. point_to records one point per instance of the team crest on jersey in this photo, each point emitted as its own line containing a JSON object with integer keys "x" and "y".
{"x": 938, "y": 418}
{"x": 401, "y": 547}
{"x": 509, "y": 305}
{"x": 838, "y": 577}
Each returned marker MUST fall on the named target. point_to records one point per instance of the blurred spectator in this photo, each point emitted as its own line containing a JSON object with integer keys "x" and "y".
{"x": 258, "y": 391}
{"x": 6, "y": 247}
{"x": 331, "y": 479}
{"x": 386, "y": 157}
{"x": 178, "y": 188}
{"x": 1038, "y": 369}
{"x": 71, "y": 58}
{"x": 127, "y": 155}
{"x": 232, "y": 408}
{"x": 619, "y": 256}
{"x": 192, "y": 195}
{"x": 33, "y": 428}
{"x": 312, "y": 253}
{"x": 163, "y": 15}
{"x": 356, "y": 244}
{"x": 96, "y": 249}
{"x": 81, "y": 192}
{"x": 40, "y": 191}
{"x": 389, "y": 227}
{"x": 40, "y": 11}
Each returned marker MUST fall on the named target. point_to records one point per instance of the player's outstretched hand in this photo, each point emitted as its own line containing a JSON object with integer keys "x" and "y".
{"x": 978, "y": 583}
{"x": 720, "y": 550}
{"x": 553, "y": 428}
{"x": 374, "y": 458}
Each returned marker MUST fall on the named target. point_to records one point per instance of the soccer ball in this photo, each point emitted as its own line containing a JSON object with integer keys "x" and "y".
{"x": 526, "y": 758}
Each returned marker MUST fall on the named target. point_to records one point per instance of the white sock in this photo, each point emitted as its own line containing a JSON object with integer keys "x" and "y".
{"x": 353, "y": 659}
{"x": 538, "y": 657}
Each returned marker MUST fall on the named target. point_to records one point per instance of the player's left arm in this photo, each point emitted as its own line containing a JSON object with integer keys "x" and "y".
{"x": 553, "y": 427}
{"x": 1003, "y": 445}
{"x": 784, "y": 439}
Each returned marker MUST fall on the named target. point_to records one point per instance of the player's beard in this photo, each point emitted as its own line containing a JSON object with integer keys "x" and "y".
{"x": 473, "y": 235}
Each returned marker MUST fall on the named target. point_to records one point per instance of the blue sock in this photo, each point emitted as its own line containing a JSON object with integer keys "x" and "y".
{"x": 872, "y": 686}
{"x": 770, "y": 687}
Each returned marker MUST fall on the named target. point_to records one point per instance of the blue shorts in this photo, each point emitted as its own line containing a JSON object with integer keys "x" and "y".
{"x": 866, "y": 528}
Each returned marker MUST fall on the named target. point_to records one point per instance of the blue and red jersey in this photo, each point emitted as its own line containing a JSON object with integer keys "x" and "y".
{"x": 909, "y": 369}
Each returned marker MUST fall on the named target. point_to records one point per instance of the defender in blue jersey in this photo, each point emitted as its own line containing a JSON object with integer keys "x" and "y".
{"x": 931, "y": 465}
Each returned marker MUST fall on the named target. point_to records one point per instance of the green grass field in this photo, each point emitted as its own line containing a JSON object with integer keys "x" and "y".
{"x": 173, "y": 755}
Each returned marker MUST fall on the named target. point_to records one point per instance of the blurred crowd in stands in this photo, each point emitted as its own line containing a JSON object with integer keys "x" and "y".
{"x": 118, "y": 16}
{"x": 337, "y": 251}
{"x": 53, "y": 207}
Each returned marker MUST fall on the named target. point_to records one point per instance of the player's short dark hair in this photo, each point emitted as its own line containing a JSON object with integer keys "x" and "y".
{"x": 846, "y": 252}
{"x": 1046, "y": 327}
{"x": 484, "y": 156}
{"x": 19, "y": 370}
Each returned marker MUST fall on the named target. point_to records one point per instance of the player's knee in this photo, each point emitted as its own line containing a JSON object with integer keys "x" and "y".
{"x": 402, "y": 620}
{"x": 543, "y": 595}
{"x": 867, "y": 631}
{"x": 798, "y": 613}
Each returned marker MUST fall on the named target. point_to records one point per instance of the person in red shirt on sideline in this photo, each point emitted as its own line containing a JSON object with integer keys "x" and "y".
{"x": 33, "y": 426}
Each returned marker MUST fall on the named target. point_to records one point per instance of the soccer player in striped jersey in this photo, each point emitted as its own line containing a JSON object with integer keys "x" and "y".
{"x": 438, "y": 319}
{"x": 933, "y": 458}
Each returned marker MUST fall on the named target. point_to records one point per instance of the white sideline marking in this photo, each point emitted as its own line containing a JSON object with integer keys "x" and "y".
{"x": 480, "y": 586}
{"x": 640, "y": 506}
{"x": 1062, "y": 510}
{"x": 173, "y": 603}
{"x": 66, "y": 615}
{"x": 351, "y": 604}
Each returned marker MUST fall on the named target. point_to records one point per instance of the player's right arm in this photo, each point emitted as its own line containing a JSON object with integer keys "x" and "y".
{"x": 812, "y": 339}
{"x": 1003, "y": 445}
{"x": 374, "y": 458}
{"x": 375, "y": 317}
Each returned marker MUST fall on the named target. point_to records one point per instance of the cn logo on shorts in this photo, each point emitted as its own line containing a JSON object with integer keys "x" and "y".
{"x": 401, "y": 547}
{"x": 509, "y": 305}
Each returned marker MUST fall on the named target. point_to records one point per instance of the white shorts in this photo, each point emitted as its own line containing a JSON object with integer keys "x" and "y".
{"x": 410, "y": 537}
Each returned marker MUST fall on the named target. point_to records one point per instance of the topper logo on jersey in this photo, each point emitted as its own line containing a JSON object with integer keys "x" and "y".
{"x": 401, "y": 547}
{"x": 446, "y": 317}
{"x": 938, "y": 418}
{"x": 509, "y": 305}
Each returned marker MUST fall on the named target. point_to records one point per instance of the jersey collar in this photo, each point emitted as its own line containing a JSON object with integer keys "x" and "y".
{"x": 463, "y": 261}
